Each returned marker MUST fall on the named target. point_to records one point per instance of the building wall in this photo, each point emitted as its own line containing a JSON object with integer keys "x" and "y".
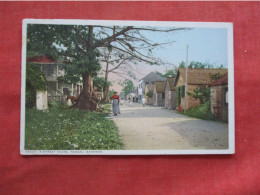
{"x": 180, "y": 82}
{"x": 41, "y": 100}
{"x": 172, "y": 103}
{"x": 190, "y": 102}
{"x": 147, "y": 99}
{"x": 167, "y": 97}
{"x": 140, "y": 89}
{"x": 218, "y": 106}
{"x": 159, "y": 100}
{"x": 154, "y": 97}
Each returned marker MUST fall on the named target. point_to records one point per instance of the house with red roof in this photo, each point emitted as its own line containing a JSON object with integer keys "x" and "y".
{"x": 52, "y": 69}
{"x": 196, "y": 78}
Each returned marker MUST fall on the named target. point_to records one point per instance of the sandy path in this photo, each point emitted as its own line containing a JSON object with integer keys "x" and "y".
{"x": 157, "y": 128}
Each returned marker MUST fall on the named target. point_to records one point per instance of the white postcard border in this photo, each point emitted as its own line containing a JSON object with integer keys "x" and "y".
{"x": 231, "y": 108}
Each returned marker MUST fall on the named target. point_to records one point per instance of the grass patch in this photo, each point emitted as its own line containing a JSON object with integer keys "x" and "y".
{"x": 201, "y": 112}
{"x": 70, "y": 129}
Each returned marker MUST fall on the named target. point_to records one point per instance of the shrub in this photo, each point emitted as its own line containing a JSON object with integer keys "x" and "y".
{"x": 149, "y": 94}
{"x": 202, "y": 112}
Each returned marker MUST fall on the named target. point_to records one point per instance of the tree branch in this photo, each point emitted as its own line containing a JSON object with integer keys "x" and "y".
{"x": 108, "y": 40}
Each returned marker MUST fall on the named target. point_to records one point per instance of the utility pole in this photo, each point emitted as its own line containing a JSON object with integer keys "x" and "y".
{"x": 186, "y": 79}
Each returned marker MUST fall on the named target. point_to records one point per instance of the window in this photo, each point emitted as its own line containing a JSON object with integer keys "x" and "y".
{"x": 49, "y": 69}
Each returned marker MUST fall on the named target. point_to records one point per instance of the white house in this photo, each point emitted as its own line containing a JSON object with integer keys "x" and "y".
{"x": 52, "y": 70}
{"x": 148, "y": 79}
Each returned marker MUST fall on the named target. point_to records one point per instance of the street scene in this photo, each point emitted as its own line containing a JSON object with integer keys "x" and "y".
{"x": 115, "y": 87}
{"x": 156, "y": 128}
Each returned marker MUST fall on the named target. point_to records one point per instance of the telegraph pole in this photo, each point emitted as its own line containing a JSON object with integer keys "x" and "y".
{"x": 186, "y": 79}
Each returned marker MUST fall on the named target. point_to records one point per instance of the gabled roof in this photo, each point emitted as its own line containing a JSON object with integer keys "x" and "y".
{"x": 198, "y": 76}
{"x": 221, "y": 81}
{"x": 159, "y": 86}
{"x": 152, "y": 77}
{"x": 42, "y": 60}
{"x": 170, "y": 83}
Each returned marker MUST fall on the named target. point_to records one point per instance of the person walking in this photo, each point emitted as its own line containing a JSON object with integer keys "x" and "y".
{"x": 115, "y": 104}
{"x": 143, "y": 101}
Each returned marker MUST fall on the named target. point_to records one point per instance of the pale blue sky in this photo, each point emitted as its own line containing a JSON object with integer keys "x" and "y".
{"x": 205, "y": 45}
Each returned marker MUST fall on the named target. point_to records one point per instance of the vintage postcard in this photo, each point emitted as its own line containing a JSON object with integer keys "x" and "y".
{"x": 95, "y": 87}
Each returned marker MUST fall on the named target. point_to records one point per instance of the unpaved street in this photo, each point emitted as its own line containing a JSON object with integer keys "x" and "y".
{"x": 150, "y": 128}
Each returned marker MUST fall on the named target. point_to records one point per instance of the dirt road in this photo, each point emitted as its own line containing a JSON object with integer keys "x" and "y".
{"x": 150, "y": 128}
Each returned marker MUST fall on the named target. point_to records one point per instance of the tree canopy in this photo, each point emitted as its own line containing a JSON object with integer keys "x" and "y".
{"x": 78, "y": 47}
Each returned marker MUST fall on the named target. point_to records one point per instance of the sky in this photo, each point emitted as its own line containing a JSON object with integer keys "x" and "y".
{"x": 204, "y": 45}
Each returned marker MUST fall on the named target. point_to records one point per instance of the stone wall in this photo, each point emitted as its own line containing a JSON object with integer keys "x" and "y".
{"x": 218, "y": 106}
{"x": 170, "y": 99}
{"x": 190, "y": 102}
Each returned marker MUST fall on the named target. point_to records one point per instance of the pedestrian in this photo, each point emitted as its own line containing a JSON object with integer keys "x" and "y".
{"x": 115, "y": 104}
{"x": 143, "y": 101}
{"x": 122, "y": 102}
{"x": 131, "y": 100}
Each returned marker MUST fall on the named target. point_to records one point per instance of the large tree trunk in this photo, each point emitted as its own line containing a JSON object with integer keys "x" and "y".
{"x": 105, "y": 91}
{"x": 87, "y": 99}
{"x": 106, "y": 87}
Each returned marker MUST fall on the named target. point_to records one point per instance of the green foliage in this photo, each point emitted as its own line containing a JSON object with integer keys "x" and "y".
{"x": 69, "y": 44}
{"x": 149, "y": 94}
{"x": 35, "y": 81}
{"x": 201, "y": 112}
{"x": 100, "y": 82}
{"x": 182, "y": 65}
{"x": 180, "y": 93}
{"x": 71, "y": 129}
{"x": 205, "y": 65}
{"x": 202, "y": 93}
{"x": 111, "y": 92}
{"x": 128, "y": 86}
{"x": 169, "y": 73}
{"x": 216, "y": 76}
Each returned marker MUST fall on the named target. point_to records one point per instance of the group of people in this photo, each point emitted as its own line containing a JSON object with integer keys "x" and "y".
{"x": 116, "y": 102}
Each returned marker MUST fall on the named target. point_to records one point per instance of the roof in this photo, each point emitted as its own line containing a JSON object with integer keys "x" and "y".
{"x": 150, "y": 87}
{"x": 221, "y": 81}
{"x": 41, "y": 60}
{"x": 198, "y": 76}
{"x": 170, "y": 83}
{"x": 152, "y": 77}
{"x": 159, "y": 86}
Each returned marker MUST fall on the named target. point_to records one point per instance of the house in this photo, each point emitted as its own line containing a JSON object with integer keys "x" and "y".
{"x": 159, "y": 93}
{"x": 170, "y": 93}
{"x": 219, "y": 97}
{"x": 56, "y": 91}
{"x": 149, "y": 93}
{"x": 148, "y": 79}
{"x": 196, "y": 78}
